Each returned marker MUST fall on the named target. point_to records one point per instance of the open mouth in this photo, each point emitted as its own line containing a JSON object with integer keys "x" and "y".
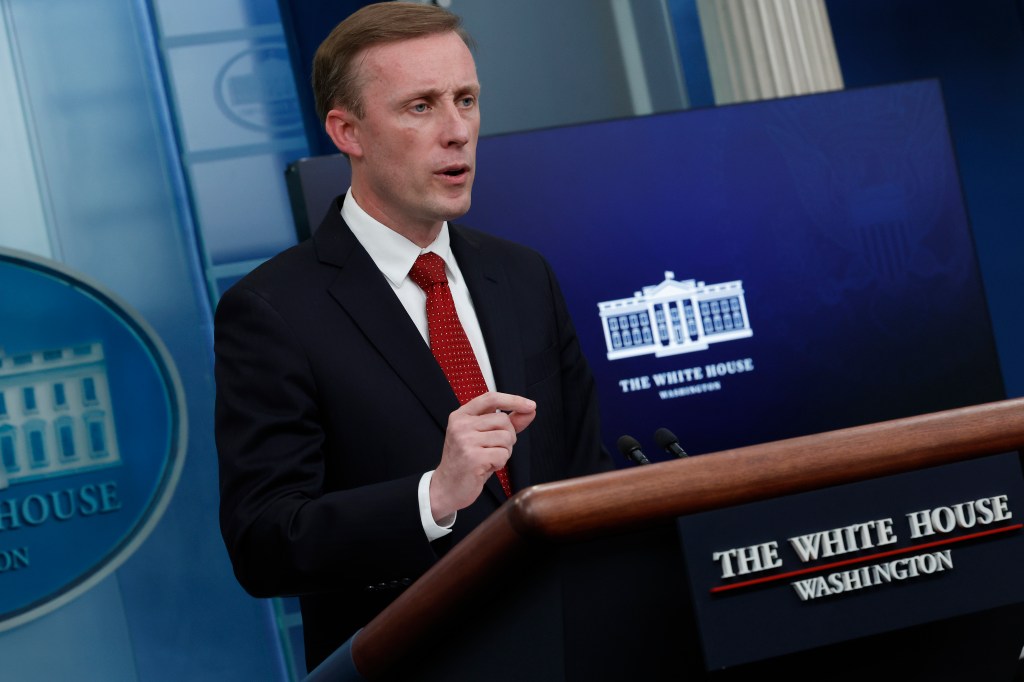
{"x": 454, "y": 171}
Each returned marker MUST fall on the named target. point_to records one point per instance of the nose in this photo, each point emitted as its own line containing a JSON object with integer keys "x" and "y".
{"x": 457, "y": 126}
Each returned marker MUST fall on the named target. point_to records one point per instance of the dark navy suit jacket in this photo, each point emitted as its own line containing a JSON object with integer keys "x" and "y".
{"x": 330, "y": 407}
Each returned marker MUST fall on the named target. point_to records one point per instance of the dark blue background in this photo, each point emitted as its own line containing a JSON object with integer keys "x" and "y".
{"x": 976, "y": 50}
{"x": 841, "y": 213}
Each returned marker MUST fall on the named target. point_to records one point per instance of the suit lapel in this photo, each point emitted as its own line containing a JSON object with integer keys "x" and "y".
{"x": 491, "y": 292}
{"x": 364, "y": 293}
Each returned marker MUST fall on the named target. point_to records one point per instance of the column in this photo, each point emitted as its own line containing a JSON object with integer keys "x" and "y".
{"x": 652, "y": 312}
{"x": 698, "y": 320}
{"x": 762, "y": 49}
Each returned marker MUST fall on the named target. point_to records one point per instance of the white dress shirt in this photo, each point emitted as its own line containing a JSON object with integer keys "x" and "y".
{"x": 394, "y": 256}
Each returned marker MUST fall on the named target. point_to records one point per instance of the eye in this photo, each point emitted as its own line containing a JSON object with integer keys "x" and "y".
{"x": 420, "y": 107}
{"x": 467, "y": 102}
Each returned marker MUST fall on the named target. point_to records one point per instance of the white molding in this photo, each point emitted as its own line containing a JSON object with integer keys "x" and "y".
{"x": 762, "y": 49}
{"x": 632, "y": 57}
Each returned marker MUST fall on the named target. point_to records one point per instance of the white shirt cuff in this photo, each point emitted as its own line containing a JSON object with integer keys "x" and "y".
{"x": 432, "y": 529}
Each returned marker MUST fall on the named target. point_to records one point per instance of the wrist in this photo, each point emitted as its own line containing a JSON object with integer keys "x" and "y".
{"x": 441, "y": 506}
{"x": 434, "y": 529}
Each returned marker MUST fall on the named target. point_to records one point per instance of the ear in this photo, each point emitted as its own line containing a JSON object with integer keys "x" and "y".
{"x": 343, "y": 128}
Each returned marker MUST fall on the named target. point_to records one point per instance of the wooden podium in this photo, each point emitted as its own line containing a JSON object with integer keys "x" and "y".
{"x": 585, "y": 579}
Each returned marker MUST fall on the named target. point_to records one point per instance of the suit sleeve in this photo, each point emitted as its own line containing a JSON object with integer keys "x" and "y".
{"x": 285, "y": 532}
{"x": 587, "y": 454}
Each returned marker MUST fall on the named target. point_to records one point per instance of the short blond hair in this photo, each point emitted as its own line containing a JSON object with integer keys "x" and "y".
{"x": 336, "y": 63}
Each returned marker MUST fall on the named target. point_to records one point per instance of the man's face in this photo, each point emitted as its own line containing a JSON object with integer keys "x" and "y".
{"x": 414, "y": 159}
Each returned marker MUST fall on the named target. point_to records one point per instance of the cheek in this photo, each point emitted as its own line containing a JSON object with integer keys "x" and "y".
{"x": 404, "y": 146}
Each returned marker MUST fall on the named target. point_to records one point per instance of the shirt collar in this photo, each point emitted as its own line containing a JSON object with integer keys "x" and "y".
{"x": 392, "y": 253}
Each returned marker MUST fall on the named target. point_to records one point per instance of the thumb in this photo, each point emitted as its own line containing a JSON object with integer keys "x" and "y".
{"x": 520, "y": 420}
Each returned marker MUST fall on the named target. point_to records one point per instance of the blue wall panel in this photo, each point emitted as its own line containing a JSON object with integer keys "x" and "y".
{"x": 976, "y": 49}
{"x": 115, "y": 192}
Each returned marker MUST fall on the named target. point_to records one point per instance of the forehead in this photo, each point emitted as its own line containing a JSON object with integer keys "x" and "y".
{"x": 434, "y": 62}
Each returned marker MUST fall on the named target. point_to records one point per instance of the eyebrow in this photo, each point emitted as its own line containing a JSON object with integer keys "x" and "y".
{"x": 435, "y": 93}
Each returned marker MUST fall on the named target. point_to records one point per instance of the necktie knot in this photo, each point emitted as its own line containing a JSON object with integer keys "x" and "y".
{"x": 427, "y": 271}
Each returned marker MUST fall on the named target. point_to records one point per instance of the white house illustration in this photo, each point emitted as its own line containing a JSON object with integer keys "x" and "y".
{"x": 55, "y": 414}
{"x": 674, "y": 317}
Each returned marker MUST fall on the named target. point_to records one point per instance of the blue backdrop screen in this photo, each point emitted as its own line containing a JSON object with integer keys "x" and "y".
{"x": 760, "y": 271}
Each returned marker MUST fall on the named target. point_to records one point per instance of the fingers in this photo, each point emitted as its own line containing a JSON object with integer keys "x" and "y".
{"x": 488, "y": 460}
{"x": 490, "y": 438}
{"x": 521, "y": 411}
{"x": 520, "y": 420}
{"x": 490, "y": 421}
{"x": 478, "y": 442}
{"x": 493, "y": 401}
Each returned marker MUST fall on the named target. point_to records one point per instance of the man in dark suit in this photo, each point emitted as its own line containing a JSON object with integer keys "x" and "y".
{"x": 366, "y": 412}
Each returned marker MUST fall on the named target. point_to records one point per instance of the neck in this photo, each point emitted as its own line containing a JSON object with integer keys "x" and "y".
{"x": 420, "y": 233}
{"x": 420, "y": 237}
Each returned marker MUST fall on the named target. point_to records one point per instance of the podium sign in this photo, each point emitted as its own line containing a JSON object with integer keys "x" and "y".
{"x": 798, "y": 572}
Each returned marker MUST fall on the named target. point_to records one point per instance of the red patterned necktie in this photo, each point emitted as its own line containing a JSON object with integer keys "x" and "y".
{"x": 448, "y": 341}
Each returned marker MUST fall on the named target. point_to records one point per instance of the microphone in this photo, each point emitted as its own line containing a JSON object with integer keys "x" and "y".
{"x": 630, "y": 448}
{"x": 668, "y": 442}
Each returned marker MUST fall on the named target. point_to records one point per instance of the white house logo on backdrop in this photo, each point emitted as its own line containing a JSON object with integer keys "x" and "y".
{"x": 58, "y": 402}
{"x": 674, "y": 317}
{"x": 255, "y": 89}
{"x": 92, "y": 435}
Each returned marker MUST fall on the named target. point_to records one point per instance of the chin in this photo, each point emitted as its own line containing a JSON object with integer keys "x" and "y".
{"x": 454, "y": 211}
